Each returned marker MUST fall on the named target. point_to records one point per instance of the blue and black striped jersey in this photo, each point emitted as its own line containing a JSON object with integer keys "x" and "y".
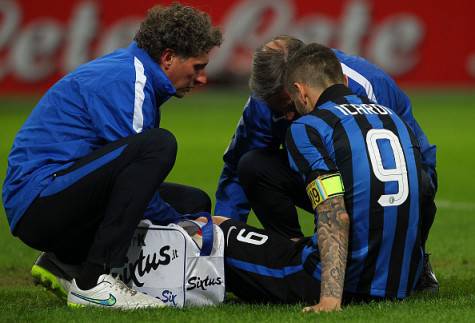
{"x": 260, "y": 128}
{"x": 380, "y": 162}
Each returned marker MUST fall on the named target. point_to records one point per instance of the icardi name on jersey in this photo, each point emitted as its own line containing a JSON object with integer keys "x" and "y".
{"x": 354, "y": 109}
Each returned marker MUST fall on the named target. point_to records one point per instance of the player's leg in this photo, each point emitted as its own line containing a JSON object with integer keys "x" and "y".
{"x": 185, "y": 199}
{"x": 93, "y": 217}
{"x": 428, "y": 207}
{"x": 428, "y": 281}
{"x": 262, "y": 266}
{"x": 273, "y": 190}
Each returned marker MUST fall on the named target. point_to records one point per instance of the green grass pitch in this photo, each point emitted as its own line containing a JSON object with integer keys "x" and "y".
{"x": 203, "y": 124}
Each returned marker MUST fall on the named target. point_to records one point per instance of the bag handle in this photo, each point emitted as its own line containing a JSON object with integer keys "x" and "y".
{"x": 207, "y": 233}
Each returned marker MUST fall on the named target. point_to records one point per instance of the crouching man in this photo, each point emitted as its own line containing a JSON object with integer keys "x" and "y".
{"x": 90, "y": 161}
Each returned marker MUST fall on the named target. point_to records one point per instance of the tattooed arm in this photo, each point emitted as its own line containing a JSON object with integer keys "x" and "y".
{"x": 333, "y": 231}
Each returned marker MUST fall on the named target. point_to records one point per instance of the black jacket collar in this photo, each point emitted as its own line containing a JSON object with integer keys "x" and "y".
{"x": 333, "y": 92}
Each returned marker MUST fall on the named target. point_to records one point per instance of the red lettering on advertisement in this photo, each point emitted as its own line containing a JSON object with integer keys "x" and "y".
{"x": 42, "y": 40}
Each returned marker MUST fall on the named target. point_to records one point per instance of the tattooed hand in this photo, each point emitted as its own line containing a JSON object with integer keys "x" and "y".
{"x": 333, "y": 231}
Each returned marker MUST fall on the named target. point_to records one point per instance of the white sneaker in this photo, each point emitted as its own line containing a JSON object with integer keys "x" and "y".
{"x": 110, "y": 292}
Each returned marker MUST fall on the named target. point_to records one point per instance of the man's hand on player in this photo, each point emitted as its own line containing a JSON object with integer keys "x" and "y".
{"x": 327, "y": 304}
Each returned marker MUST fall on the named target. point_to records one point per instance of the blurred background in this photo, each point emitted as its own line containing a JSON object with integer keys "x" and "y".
{"x": 422, "y": 43}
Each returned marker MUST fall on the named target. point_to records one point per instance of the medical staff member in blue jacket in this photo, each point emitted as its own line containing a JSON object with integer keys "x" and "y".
{"x": 90, "y": 161}
{"x": 256, "y": 172}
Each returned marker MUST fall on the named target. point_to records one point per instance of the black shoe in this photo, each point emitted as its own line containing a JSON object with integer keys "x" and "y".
{"x": 51, "y": 273}
{"x": 427, "y": 283}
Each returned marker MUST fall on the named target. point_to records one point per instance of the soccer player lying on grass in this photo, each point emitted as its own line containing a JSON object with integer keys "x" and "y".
{"x": 362, "y": 169}
{"x": 256, "y": 172}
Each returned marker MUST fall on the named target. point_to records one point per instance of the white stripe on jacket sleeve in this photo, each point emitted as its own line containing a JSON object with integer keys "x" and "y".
{"x": 140, "y": 80}
{"x": 361, "y": 80}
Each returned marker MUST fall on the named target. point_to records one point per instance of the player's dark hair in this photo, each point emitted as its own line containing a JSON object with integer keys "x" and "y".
{"x": 315, "y": 65}
{"x": 269, "y": 65}
{"x": 183, "y": 29}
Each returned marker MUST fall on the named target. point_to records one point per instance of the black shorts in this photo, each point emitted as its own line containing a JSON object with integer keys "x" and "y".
{"x": 265, "y": 267}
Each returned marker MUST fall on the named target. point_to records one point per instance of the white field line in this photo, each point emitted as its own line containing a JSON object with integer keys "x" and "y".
{"x": 459, "y": 206}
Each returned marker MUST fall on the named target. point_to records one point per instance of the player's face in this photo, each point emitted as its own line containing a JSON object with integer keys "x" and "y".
{"x": 186, "y": 73}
